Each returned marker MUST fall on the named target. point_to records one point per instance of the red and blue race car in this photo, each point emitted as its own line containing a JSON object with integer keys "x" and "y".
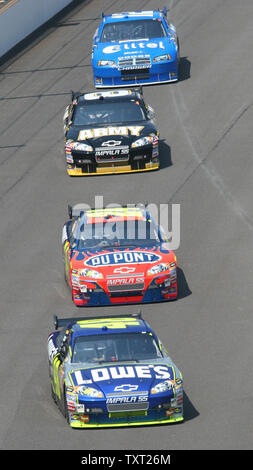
{"x": 117, "y": 255}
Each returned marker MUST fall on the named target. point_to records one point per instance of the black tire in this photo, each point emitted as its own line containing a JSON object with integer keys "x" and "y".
{"x": 66, "y": 413}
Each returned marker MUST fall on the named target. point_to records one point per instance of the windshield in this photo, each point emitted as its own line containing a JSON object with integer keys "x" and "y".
{"x": 135, "y": 233}
{"x": 115, "y": 347}
{"x": 108, "y": 113}
{"x": 129, "y": 30}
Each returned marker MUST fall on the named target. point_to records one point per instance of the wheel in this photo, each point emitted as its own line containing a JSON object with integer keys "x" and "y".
{"x": 66, "y": 413}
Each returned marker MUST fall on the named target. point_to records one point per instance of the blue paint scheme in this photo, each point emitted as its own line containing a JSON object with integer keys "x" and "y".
{"x": 123, "y": 385}
{"x": 146, "y": 69}
{"x": 99, "y": 297}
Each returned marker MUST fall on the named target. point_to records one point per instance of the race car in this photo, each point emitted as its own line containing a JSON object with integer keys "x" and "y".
{"x": 111, "y": 131}
{"x": 117, "y": 255}
{"x": 112, "y": 371}
{"x": 137, "y": 47}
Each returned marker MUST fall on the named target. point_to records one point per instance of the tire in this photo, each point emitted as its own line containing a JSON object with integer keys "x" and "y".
{"x": 66, "y": 413}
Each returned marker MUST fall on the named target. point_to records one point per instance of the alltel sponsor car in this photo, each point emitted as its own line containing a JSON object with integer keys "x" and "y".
{"x": 112, "y": 371}
{"x": 117, "y": 256}
{"x": 139, "y": 47}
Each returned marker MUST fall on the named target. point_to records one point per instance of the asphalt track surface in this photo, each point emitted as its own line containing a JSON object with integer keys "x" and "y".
{"x": 205, "y": 122}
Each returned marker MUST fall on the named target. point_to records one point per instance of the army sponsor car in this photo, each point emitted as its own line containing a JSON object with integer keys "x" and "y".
{"x": 112, "y": 371}
{"x": 137, "y": 47}
{"x": 111, "y": 131}
{"x": 117, "y": 255}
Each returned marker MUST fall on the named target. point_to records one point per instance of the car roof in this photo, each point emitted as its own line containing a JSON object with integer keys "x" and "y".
{"x": 132, "y": 15}
{"x": 116, "y": 324}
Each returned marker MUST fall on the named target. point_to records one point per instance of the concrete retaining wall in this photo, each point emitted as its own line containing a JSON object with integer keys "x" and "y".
{"x": 19, "y": 18}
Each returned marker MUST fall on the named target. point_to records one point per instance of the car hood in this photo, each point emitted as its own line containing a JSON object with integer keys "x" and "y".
{"x": 111, "y": 135}
{"x": 120, "y": 260}
{"x": 151, "y": 47}
{"x": 124, "y": 378}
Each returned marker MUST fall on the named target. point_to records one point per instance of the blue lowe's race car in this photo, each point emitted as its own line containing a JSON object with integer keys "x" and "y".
{"x": 112, "y": 371}
{"x": 139, "y": 47}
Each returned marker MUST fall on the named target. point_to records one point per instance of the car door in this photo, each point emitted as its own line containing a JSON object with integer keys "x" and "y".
{"x": 58, "y": 367}
{"x": 67, "y": 245}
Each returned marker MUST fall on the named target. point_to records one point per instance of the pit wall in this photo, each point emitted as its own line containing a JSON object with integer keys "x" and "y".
{"x": 20, "y": 18}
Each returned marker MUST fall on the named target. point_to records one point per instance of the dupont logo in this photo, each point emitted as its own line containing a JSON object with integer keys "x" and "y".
{"x": 124, "y": 257}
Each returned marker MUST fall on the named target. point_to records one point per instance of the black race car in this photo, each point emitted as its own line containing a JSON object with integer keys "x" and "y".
{"x": 110, "y": 132}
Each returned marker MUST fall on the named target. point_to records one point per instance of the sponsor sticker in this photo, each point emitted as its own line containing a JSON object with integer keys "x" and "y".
{"x": 141, "y": 371}
{"x": 107, "y": 131}
{"x": 123, "y": 257}
{"x": 132, "y": 45}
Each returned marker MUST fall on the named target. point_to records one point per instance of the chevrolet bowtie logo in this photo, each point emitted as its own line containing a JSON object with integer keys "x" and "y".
{"x": 126, "y": 388}
{"x": 111, "y": 143}
{"x": 124, "y": 270}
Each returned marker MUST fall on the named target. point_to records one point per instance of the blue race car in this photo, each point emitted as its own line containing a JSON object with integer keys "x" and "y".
{"x": 135, "y": 48}
{"x": 112, "y": 371}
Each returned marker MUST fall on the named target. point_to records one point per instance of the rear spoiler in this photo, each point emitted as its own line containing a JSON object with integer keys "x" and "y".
{"x": 164, "y": 11}
{"x": 79, "y": 209}
{"x": 60, "y": 322}
{"x": 75, "y": 94}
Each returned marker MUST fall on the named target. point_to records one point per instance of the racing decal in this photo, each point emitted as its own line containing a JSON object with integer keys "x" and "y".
{"x": 67, "y": 112}
{"x": 126, "y": 388}
{"x": 105, "y": 131}
{"x": 110, "y": 93}
{"x": 112, "y": 323}
{"x": 132, "y": 45}
{"x": 56, "y": 365}
{"x": 125, "y": 281}
{"x": 122, "y": 151}
{"x": 143, "y": 371}
{"x": 123, "y": 257}
{"x": 52, "y": 349}
{"x": 124, "y": 270}
{"x": 132, "y": 399}
{"x": 66, "y": 258}
{"x": 68, "y": 148}
{"x": 133, "y": 14}
{"x": 116, "y": 211}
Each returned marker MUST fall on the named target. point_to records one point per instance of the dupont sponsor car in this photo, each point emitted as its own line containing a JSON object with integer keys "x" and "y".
{"x": 117, "y": 256}
{"x": 110, "y": 132}
{"x": 112, "y": 371}
{"x": 139, "y": 47}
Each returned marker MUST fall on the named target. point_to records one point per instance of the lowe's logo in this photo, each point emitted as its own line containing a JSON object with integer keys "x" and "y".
{"x": 142, "y": 371}
{"x": 124, "y": 257}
